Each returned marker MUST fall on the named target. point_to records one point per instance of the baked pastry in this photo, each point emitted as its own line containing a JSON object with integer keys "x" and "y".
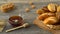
{"x": 52, "y": 7}
{"x": 50, "y": 20}
{"x": 7, "y": 7}
{"x": 40, "y": 11}
{"x": 50, "y": 15}
{"x": 45, "y": 15}
{"x": 58, "y": 15}
{"x": 58, "y": 9}
{"x": 52, "y": 23}
{"x": 45, "y": 9}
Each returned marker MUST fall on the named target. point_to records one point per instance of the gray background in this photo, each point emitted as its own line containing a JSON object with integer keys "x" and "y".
{"x": 28, "y": 17}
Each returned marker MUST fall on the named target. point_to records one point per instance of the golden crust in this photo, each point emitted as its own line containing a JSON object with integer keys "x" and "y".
{"x": 7, "y": 7}
{"x": 50, "y": 20}
{"x": 39, "y": 11}
{"x": 52, "y": 7}
{"x": 45, "y": 15}
{"x": 58, "y": 9}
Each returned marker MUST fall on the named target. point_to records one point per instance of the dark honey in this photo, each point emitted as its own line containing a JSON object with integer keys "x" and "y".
{"x": 16, "y": 21}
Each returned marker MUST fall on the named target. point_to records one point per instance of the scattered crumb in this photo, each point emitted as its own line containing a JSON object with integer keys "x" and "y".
{"x": 33, "y": 6}
{"x": 31, "y": 3}
{"x": 27, "y": 9}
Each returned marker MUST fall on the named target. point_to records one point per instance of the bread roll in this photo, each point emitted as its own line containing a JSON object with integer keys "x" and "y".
{"x": 52, "y": 7}
{"x": 45, "y": 9}
{"x": 50, "y": 20}
{"x": 45, "y": 15}
{"x": 40, "y": 11}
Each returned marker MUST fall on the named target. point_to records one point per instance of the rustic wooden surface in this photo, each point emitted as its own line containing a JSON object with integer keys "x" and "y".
{"x": 28, "y": 17}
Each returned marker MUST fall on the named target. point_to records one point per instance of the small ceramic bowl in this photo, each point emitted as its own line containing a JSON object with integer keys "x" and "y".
{"x": 16, "y": 21}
